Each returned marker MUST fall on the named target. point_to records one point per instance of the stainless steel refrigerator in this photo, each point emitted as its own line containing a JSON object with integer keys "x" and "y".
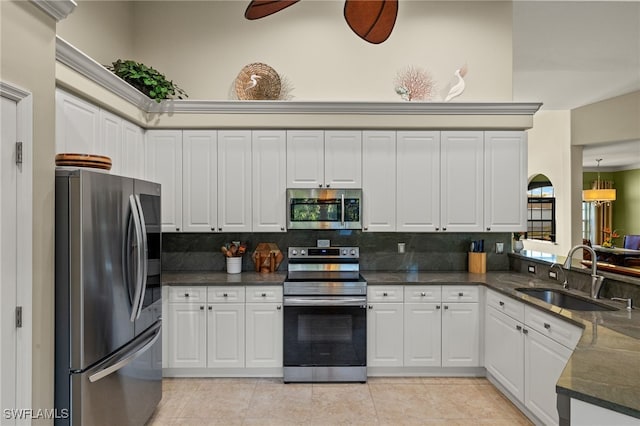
{"x": 108, "y": 356}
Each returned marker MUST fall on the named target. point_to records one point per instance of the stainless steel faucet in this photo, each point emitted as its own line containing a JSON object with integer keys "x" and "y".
{"x": 565, "y": 284}
{"x": 596, "y": 280}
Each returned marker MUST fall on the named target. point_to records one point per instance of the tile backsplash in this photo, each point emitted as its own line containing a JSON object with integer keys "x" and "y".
{"x": 378, "y": 250}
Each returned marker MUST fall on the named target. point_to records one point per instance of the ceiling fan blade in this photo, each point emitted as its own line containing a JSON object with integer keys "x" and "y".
{"x": 372, "y": 20}
{"x": 260, "y": 8}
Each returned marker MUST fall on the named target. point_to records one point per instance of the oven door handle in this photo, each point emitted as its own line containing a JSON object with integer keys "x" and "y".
{"x": 360, "y": 302}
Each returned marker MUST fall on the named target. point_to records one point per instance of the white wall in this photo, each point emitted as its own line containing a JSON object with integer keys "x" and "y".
{"x": 550, "y": 153}
{"x": 202, "y": 46}
{"x": 28, "y": 59}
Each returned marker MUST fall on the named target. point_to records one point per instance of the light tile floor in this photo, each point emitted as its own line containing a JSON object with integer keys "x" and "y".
{"x": 382, "y": 401}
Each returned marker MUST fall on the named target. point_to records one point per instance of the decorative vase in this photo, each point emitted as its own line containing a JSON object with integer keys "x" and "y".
{"x": 518, "y": 246}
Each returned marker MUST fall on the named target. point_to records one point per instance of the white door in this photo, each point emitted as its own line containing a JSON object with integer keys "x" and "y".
{"x": 132, "y": 151}
{"x": 8, "y": 258}
{"x": 343, "y": 159}
{"x": 418, "y": 184}
{"x": 505, "y": 171}
{"x": 384, "y": 335}
{"x": 200, "y": 180}
{"x": 305, "y": 159}
{"x": 164, "y": 165}
{"x": 460, "y": 335}
{"x": 462, "y": 171}
{"x": 379, "y": 181}
{"x": 269, "y": 159}
{"x": 110, "y": 142}
{"x": 422, "y": 333}
{"x": 234, "y": 181}
{"x": 225, "y": 335}
{"x": 264, "y": 335}
{"x": 187, "y": 335}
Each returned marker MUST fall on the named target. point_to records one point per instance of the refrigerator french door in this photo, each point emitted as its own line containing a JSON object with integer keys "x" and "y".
{"x": 108, "y": 307}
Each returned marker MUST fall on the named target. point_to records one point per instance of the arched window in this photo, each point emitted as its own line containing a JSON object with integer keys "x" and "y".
{"x": 541, "y": 221}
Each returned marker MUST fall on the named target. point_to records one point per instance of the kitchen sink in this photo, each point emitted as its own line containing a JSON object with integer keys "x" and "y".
{"x": 564, "y": 300}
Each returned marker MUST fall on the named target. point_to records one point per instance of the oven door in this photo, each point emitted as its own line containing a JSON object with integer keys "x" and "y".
{"x": 325, "y": 331}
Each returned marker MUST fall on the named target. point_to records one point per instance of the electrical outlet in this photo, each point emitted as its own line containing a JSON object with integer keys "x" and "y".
{"x": 499, "y": 248}
{"x": 401, "y": 247}
{"x": 553, "y": 275}
{"x": 531, "y": 269}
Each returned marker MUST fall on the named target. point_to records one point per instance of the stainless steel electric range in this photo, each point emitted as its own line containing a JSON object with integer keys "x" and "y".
{"x": 325, "y": 318}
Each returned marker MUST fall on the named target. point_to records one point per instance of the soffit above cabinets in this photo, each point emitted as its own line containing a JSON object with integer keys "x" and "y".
{"x": 81, "y": 74}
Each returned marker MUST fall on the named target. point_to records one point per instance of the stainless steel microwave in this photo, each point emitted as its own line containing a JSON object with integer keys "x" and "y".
{"x": 318, "y": 208}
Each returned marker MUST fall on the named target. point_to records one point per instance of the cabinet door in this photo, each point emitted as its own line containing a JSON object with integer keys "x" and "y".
{"x": 133, "y": 151}
{"x": 544, "y": 361}
{"x": 379, "y": 181}
{"x": 269, "y": 152}
{"x": 264, "y": 335}
{"x": 305, "y": 159}
{"x": 505, "y": 171}
{"x": 225, "y": 335}
{"x": 200, "y": 180}
{"x": 504, "y": 351}
{"x": 187, "y": 335}
{"x": 462, "y": 172}
{"x": 111, "y": 140}
{"x": 460, "y": 335}
{"x": 164, "y": 165}
{"x": 77, "y": 125}
{"x": 385, "y": 335}
{"x": 418, "y": 183}
{"x": 422, "y": 332}
{"x": 343, "y": 159}
{"x": 234, "y": 180}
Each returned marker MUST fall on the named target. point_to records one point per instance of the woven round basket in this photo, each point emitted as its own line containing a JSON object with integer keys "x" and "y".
{"x": 258, "y": 81}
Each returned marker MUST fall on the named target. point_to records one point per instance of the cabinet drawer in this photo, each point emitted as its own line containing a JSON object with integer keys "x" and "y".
{"x": 422, "y": 293}
{"x": 559, "y": 330}
{"x": 224, "y": 294}
{"x": 264, "y": 294}
{"x": 381, "y": 293}
{"x": 506, "y": 304}
{"x": 187, "y": 294}
{"x": 460, "y": 293}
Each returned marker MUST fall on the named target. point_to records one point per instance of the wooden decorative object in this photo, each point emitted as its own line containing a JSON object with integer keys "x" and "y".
{"x": 260, "y": 8}
{"x": 372, "y": 20}
{"x": 267, "y": 257}
{"x": 477, "y": 263}
{"x": 83, "y": 160}
{"x": 258, "y": 81}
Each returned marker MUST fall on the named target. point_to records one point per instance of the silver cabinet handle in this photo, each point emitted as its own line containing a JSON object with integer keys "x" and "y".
{"x": 202, "y": 308}
{"x": 366, "y": 228}
{"x": 282, "y": 228}
{"x": 319, "y": 185}
{"x": 219, "y": 229}
{"x": 518, "y": 327}
{"x": 370, "y": 306}
{"x": 213, "y": 228}
{"x": 178, "y": 229}
{"x": 264, "y": 294}
{"x": 385, "y": 294}
{"x": 446, "y": 306}
{"x": 278, "y": 307}
{"x": 437, "y": 228}
{"x": 501, "y": 303}
{"x": 488, "y": 229}
{"x": 186, "y": 295}
{"x": 437, "y": 306}
{"x": 211, "y": 308}
{"x": 423, "y": 294}
{"x": 225, "y": 294}
{"x": 525, "y": 331}
{"x": 328, "y": 185}
{"x": 547, "y": 325}
{"x": 461, "y": 294}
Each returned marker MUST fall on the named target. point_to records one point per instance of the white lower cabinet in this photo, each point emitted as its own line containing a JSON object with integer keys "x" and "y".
{"x": 422, "y": 333}
{"x": 526, "y": 362}
{"x": 225, "y": 335}
{"x": 187, "y": 335}
{"x": 384, "y": 335}
{"x": 264, "y": 335}
{"x": 460, "y": 335}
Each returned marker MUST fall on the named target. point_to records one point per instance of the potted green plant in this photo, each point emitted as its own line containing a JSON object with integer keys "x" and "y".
{"x": 147, "y": 80}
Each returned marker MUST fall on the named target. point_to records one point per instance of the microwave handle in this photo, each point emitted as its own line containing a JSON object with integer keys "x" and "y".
{"x": 342, "y": 209}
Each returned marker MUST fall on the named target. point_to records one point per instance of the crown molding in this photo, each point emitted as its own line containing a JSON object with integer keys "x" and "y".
{"x": 57, "y": 9}
{"x": 75, "y": 59}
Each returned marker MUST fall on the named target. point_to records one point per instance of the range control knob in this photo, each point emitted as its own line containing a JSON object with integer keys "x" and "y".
{"x": 294, "y": 252}
{"x": 353, "y": 252}
{"x": 302, "y": 252}
{"x": 344, "y": 252}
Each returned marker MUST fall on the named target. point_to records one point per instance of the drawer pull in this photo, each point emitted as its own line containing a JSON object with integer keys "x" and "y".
{"x": 547, "y": 325}
{"x": 202, "y": 308}
{"x": 437, "y": 306}
{"x": 446, "y": 306}
{"x": 525, "y": 331}
{"x": 278, "y": 307}
{"x": 211, "y": 308}
{"x": 370, "y": 306}
{"x": 225, "y": 295}
{"x": 501, "y": 303}
{"x": 264, "y": 294}
{"x": 186, "y": 295}
{"x": 461, "y": 294}
{"x": 423, "y": 294}
{"x": 385, "y": 294}
{"x": 518, "y": 327}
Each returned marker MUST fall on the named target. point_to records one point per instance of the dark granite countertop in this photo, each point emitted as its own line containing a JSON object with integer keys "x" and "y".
{"x": 604, "y": 369}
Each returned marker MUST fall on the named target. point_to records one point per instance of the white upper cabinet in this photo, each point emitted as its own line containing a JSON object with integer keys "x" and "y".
{"x": 77, "y": 125}
{"x": 305, "y": 158}
{"x": 164, "y": 165}
{"x": 418, "y": 181}
{"x": 269, "y": 158}
{"x": 324, "y": 159}
{"x": 462, "y": 165}
{"x": 379, "y": 180}
{"x": 110, "y": 142}
{"x": 200, "y": 186}
{"x": 505, "y": 192}
{"x": 343, "y": 159}
{"x": 133, "y": 151}
{"x": 234, "y": 181}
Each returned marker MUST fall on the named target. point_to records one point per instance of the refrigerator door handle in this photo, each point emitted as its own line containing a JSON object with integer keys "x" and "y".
{"x": 135, "y": 309}
{"x": 115, "y": 364}
{"x": 145, "y": 253}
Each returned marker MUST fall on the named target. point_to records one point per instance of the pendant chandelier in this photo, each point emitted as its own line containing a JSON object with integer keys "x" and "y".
{"x": 599, "y": 195}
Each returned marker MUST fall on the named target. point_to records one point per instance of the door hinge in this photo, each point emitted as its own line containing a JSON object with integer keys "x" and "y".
{"x": 18, "y": 152}
{"x": 18, "y": 316}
